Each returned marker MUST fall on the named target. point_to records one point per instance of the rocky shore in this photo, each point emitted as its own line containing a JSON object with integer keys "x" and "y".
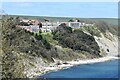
{"x": 58, "y": 65}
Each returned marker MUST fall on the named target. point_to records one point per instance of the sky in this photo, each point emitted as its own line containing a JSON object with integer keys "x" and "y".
{"x": 63, "y": 9}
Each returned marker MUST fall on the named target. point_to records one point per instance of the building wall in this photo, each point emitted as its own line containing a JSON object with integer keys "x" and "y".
{"x": 31, "y": 28}
{"x": 51, "y": 26}
{"x": 35, "y": 28}
{"x": 74, "y": 24}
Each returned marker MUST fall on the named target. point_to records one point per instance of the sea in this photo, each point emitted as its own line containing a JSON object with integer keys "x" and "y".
{"x": 104, "y": 70}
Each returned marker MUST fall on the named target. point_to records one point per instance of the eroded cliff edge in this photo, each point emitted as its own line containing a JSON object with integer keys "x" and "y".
{"x": 24, "y": 53}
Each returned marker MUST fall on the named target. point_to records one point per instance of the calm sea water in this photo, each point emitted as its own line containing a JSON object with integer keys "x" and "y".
{"x": 108, "y": 69}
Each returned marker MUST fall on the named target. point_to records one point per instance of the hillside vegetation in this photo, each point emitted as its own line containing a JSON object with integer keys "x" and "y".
{"x": 18, "y": 43}
{"x": 76, "y": 40}
{"x": 15, "y": 42}
{"x": 20, "y": 47}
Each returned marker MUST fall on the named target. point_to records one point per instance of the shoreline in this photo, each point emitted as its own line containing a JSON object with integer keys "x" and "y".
{"x": 41, "y": 70}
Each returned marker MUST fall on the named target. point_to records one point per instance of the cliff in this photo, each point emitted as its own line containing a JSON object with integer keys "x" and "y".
{"x": 23, "y": 53}
{"x": 106, "y": 37}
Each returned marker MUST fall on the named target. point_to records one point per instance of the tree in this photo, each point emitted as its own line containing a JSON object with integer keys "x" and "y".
{"x": 71, "y": 20}
{"x": 76, "y": 40}
{"x": 23, "y": 24}
{"x": 38, "y": 37}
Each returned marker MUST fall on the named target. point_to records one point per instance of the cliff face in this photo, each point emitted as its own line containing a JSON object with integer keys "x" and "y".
{"x": 23, "y": 53}
{"x": 106, "y": 37}
{"x": 109, "y": 44}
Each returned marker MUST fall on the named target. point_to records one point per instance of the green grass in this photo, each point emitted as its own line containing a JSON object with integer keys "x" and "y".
{"x": 49, "y": 37}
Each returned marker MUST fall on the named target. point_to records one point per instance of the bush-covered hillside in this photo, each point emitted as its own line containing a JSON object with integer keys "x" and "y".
{"x": 64, "y": 43}
{"x": 76, "y": 40}
{"x": 18, "y": 43}
{"x": 100, "y": 27}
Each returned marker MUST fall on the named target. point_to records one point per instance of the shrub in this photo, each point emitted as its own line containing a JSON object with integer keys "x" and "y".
{"x": 76, "y": 40}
